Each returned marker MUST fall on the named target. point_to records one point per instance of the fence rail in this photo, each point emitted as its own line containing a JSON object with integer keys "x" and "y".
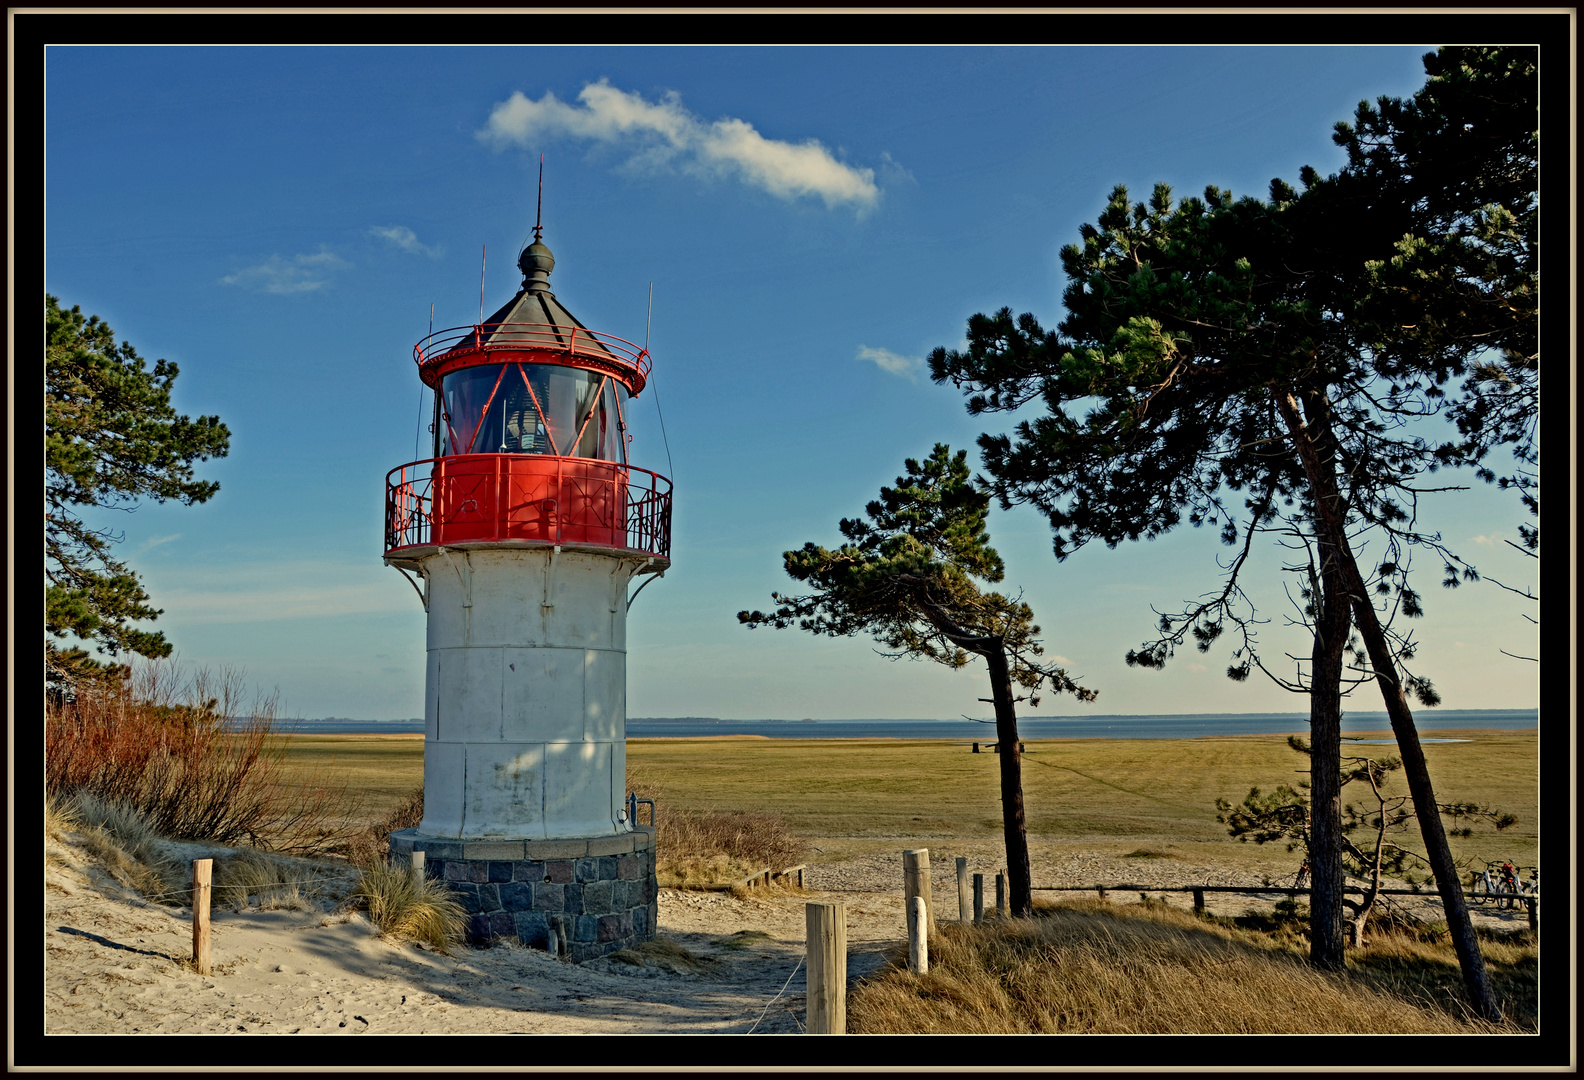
{"x": 1528, "y": 900}
{"x": 602, "y": 350}
{"x": 493, "y": 497}
{"x": 1290, "y": 890}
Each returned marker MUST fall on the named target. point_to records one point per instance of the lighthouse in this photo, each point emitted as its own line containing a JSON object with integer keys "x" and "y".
{"x": 524, "y": 534}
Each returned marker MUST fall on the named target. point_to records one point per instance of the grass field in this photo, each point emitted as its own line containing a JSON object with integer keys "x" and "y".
{"x": 1095, "y": 792}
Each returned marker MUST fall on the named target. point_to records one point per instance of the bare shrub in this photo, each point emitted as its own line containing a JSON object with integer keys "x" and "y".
{"x": 697, "y": 848}
{"x": 192, "y": 756}
{"x": 370, "y": 846}
{"x": 700, "y": 848}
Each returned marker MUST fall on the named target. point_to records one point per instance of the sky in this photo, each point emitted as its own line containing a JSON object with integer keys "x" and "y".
{"x": 813, "y": 222}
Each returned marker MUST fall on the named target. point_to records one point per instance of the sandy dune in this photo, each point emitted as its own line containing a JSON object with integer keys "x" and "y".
{"x": 115, "y": 963}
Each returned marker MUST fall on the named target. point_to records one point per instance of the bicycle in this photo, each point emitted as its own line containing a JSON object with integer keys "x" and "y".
{"x": 1481, "y": 887}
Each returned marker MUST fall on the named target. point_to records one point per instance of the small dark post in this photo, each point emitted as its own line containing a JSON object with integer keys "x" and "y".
{"x": 1000, "y": 894}
{"x": 978, "y": 901}
{"x": 1534, "y": 914}
{"x": 1198, "y": 901}
{"x": 976, "y": 748}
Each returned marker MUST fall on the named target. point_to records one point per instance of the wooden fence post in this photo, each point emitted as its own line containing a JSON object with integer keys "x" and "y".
{"x": 978, "y": 899}
{"x": 916, "y": 883}
{"x": 203, "y": 871}
{"x": 1198, "y": 901}
{"x": 963, "y": 903}
{"x": 1534, "y": 914}
{"x": 827, "y": 968}
{"x": 918, "y": 939}
{"x": 1000, "y": 894}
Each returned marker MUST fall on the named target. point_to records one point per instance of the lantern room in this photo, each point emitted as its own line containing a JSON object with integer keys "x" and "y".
{"x": 530, "y": 434}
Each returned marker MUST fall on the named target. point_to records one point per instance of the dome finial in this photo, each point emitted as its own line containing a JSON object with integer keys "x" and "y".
{"x": 536, "y": 262}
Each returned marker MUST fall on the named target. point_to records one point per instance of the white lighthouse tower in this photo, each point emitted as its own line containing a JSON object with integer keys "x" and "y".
{"x": 527, "y": 528}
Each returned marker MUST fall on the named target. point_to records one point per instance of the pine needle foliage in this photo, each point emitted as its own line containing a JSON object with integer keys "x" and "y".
{"x": 111, "y": 438}
{"x": 909, "y": 576}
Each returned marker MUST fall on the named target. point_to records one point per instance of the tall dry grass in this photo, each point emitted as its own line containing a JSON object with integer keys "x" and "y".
{"x": 405, "y": 905}
{"x": 122, "y": 842}
{"x": 1086, "y": 967}
{"x": 195, "y": 757}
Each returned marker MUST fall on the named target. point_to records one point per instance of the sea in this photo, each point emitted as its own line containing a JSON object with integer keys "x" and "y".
{"x": 1112, "y": 726}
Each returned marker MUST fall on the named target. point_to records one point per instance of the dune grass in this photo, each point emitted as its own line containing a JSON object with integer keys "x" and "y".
{"x": 405, "y": 906}
{"x": 122, "y": 842}
{"x": 1087, "y": 967}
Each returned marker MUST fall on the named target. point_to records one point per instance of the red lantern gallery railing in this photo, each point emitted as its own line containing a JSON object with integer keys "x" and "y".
{"x": 604, "y": 352}
{"x": 557, "y": 500}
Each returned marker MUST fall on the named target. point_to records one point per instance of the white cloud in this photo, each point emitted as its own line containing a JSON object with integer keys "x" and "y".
{"x": 1491, "y": 541}
{"x": 400, "y": 236}
{"x": 664, "y": 133}
{"x": 906, "y": 366}
{"x": 300, "y": 273}
{"x": 151, "y": 544}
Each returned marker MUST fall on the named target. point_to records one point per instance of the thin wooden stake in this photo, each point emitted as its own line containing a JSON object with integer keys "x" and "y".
{"x": 827, "y": 968}
{"x": 1000, "y": 894}
{"x": 978, "y": 910}
{"x": 203, "y": 873}
{"x": 964, "y": 910}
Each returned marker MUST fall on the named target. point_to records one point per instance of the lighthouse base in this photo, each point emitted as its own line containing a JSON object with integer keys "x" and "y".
{"x": 595, "y": 895}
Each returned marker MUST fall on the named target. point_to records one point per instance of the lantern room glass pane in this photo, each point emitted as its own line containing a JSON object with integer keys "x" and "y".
{"x": 530, "y": 409}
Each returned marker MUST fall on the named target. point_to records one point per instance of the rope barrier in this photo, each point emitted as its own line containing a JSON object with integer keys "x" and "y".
{"x": 777, "y": 998}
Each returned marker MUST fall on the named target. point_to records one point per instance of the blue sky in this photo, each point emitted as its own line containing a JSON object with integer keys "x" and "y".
{"x": 278, "y": 221}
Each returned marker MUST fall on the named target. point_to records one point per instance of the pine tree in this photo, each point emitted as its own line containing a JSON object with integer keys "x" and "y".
{"x": 906, "y": 576}
{"x": 1281, "y": 352}
{"x": 111, "y": 437}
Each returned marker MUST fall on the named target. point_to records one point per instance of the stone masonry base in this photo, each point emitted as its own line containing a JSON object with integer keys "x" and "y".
{"x": 597, "y": 894}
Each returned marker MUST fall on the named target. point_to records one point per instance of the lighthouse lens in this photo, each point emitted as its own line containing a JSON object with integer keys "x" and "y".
{"x": 520, "y": 408}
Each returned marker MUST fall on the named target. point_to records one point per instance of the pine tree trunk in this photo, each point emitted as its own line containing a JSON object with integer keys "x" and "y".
{"x": 1019, "y": 877}
{"x": 1315, "y": 445}
{"x": 1426, "y": 809}
{"x": 1333, "y": 618}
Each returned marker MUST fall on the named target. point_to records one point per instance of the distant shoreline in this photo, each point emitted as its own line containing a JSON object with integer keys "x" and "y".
{"x": 1113, "y": 726}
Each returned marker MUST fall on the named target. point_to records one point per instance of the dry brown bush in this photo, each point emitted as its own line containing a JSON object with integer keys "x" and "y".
{"x": 700, "y": 848}
{"x": 371, "y": 845}
{"x": 192, "y": 757}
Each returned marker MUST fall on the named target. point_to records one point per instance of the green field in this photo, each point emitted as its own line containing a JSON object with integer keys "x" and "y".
{"x": 1090, "y": 792}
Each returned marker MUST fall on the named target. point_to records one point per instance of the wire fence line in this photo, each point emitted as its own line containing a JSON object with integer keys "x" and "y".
{"x": 777, "y": 998}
